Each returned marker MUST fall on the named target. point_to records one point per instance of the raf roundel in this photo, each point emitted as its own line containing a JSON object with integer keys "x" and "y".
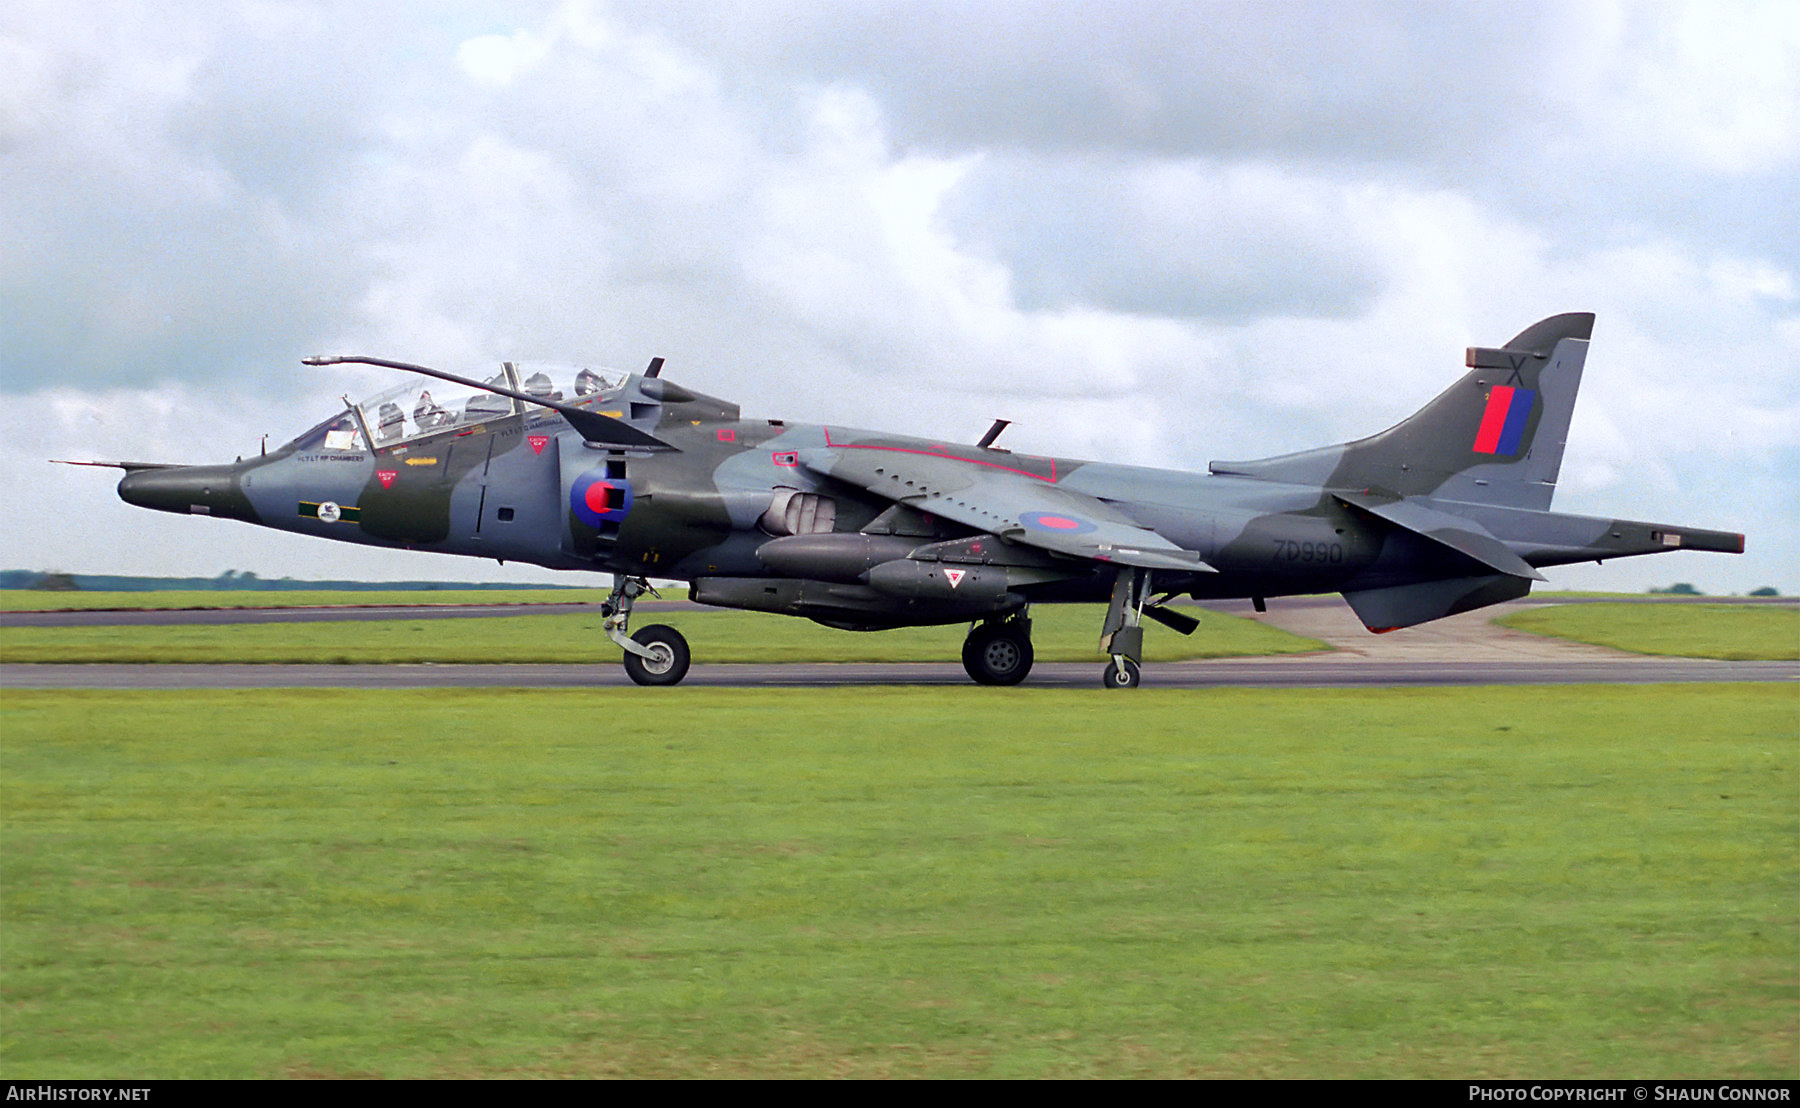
{"x": 1056, "y": 524}
{"x": 597, "y": 499}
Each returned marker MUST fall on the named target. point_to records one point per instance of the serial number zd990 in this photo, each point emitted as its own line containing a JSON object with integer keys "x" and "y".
{"x": 1319, "y": 553}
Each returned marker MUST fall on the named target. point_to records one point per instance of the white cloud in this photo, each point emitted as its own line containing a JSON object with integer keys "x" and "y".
{"x": 1685, "y": 84}
{"x": 498, "y": 60}
{"x": 1139, "y": 243}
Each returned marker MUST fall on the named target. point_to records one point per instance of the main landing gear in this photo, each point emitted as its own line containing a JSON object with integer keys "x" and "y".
{"x": 656, "y": 655}
{"x": 998, "y": 652}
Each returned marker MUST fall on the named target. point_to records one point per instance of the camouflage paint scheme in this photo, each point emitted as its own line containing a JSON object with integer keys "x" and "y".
{"x": 1443, "y": 513}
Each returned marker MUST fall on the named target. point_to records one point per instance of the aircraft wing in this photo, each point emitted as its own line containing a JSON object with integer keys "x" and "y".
{"x": 1002, "y": 500}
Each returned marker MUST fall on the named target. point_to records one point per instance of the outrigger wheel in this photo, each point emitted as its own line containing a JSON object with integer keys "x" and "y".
{"x": 666, "y": 657}
{"x": 998, "y": 653}
{"x": 1122, "y": 635}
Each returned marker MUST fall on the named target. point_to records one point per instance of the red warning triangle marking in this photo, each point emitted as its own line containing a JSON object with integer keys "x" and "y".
{"x": 538, "y": 442}
{"x": 956, "y": 576}
{"x": 386, "y": 477}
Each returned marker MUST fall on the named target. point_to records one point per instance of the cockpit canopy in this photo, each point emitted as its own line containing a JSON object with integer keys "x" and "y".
{"x": 423, "y": 407}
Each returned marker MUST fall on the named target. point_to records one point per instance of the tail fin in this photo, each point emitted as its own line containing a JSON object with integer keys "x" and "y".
{"x": 1494, "y": 437}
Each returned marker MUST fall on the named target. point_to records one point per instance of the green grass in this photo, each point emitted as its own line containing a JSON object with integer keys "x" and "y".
{"x": 1729, "y": 631}
{"x": 32, "y": 600}
{"x": 1059, "y": 633}
{"x": 1576, "y": 882}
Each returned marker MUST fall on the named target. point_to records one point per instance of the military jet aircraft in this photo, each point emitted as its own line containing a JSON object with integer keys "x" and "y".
{"x": 639, "y": 477}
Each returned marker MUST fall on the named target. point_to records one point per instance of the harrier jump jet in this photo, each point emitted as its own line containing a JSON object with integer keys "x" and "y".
{"x": 638, "y": 477}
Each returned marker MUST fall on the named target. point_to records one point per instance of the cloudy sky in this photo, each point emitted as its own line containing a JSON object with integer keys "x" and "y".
{"x": 1149, "y": 232}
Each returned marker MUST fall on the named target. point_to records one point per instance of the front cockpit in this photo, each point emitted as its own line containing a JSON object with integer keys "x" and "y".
{"x": 422, "y": 409}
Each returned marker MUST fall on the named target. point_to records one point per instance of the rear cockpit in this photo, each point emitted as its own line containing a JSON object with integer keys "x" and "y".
{"x": 422, "y": 408}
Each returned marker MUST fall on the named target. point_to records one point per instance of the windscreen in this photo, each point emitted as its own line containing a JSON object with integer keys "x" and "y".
{"x": 339, "y": 434}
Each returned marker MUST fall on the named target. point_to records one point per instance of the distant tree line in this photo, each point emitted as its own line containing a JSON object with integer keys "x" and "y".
{"x": 57, "y": 581}
{"x": 1682, "y": 588}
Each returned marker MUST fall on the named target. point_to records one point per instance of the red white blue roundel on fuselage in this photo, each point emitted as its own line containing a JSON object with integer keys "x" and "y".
{"x": 1056, "y": 524}
{"x": 597, "y": 499}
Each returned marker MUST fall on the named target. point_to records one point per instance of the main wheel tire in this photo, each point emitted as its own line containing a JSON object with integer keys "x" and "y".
{"x": 997, "y": 655}
{"x": 668, "y": 662}
{"x": 1111, "y": 679}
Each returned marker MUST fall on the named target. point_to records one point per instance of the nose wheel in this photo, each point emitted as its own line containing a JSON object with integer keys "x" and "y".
{"x": 665, "y": 658}
{"x": 656, "y": 655}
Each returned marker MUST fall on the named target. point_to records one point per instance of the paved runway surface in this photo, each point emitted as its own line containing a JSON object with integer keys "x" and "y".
{"x": 1461, "y": 650}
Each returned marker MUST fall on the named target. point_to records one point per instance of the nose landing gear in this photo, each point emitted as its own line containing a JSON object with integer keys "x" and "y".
{"x": 665, "y": 658}
{"x": 657, "y": 654}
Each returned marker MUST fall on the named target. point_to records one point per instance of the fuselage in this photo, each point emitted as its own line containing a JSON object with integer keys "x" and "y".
{"x": 502, "y": 489}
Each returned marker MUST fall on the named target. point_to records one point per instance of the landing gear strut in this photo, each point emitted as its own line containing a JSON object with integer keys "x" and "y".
{"x": 657, "y": 654}
{"x": 998, "y": 652}
{"x": 1122, "y": 635}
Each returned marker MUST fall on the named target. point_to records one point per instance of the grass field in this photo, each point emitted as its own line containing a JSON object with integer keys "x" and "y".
{"x": 1729, "y": 631}
{"x": 1535, "y": 882}
{"x": 1059, "y": 633}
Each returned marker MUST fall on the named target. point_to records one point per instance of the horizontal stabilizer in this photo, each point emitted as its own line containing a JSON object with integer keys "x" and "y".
{"x": 1464, "y": 536}
{"x": 1405, "y": 605}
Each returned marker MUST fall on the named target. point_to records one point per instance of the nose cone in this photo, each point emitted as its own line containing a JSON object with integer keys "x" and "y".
{"x": 190, "y": 490}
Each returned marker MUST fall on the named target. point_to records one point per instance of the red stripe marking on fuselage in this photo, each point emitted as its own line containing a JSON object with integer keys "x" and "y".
{"x": 947, "y": 457}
